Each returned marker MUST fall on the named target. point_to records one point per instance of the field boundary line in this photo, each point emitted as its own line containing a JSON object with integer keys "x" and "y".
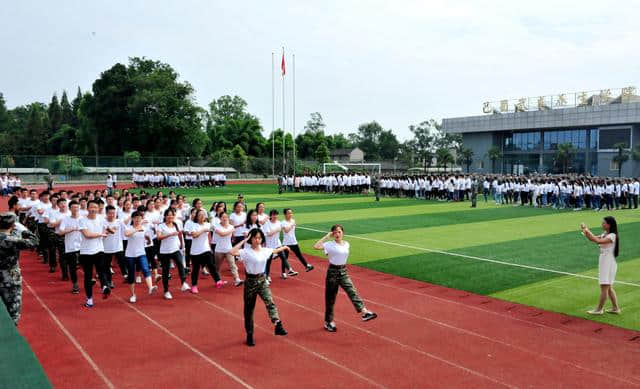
{"x": 69, "y": 336}
{"x": 476, "y": 258}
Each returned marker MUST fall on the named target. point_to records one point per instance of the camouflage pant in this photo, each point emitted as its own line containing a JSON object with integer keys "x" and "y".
{"x": 254, "y": 287}
{"x": 338, "y": 277}
{"x": 11, "y": 291}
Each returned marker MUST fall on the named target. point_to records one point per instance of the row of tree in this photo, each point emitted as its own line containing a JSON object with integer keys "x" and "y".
{"x": 143, "y": 107}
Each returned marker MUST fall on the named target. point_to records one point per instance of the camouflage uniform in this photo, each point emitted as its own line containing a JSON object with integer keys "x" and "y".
{"x": 337, "y": 277}
{"x": 10, "y": 277}
{"x": 254, "y": 286}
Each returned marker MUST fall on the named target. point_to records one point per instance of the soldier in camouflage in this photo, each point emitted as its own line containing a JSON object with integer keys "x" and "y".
{"x": 12, "y": 240}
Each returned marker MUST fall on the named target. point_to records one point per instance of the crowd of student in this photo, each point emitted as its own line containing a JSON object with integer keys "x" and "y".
{"x": 560, "y": 192}
{"x": 148, "y": 235}
{"x": 9, "y": 184}
{"x": 174, "y": 180}
{"x": 329, "y": 183}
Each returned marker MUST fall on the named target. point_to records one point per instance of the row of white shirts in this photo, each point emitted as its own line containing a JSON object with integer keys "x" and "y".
{"x": 577, "y": 190}
{"x": 9, "y": 182}
{"x": 450, "y": 184}
{"x": 158, "y": 178}
{"x": 331, "y": 180}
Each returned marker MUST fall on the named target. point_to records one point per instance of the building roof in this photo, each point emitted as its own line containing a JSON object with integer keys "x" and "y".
{"x": 344, "y": 152}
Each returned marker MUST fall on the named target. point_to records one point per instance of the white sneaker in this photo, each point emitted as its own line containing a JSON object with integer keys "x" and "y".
{"x": 153, "y": 289}
{"x": 284, "y": 276}
{"x": 132, "y": 299}
{"x": 138, "y": 280}
{"x": 205, "y": 272}
{"x": 185, "y": 287}
{"x": 168, "y": 296}
{"x": 238, "y": 282}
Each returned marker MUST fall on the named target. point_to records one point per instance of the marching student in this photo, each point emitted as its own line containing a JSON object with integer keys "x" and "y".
{"x": 272, "y": 230}
{"x": 255, "y": 258}
{"x": 337, "y": 252}
{"x": 113, "y": 245}
{"x": 201, "y": 251}
{"x": 70, "y": 230}
{"x": 237, "y": 219}
{"x": 170, "y": 249}
{"x": 92, "y": 251}
{"x": 54, "y": 218}
{"x": 289, "y": 238}
{"x": 223, "y": 233}
{"x": 609, "y": 242}
{"x": 188, "y": 239}
{"x": 135, "y": 255}
{"x": 251, "y": 223}
{"x": 262, "y": 216}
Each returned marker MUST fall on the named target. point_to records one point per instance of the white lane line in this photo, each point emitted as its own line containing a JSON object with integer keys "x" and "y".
{"x": 396, "y": 342}
{"x": 306, "y": 349}
{"x": 475, "y": 258}
{"x": 71, "y": 338}
{"x": 487, "y": 338}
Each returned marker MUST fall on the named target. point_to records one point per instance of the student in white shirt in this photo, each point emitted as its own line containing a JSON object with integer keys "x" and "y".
{"x": 169, "y": 236}
{"x": 187, "y": 239}
{"x": 289, "y": 239}
{"x": 92, "y": 252}
{"x": 135, "y": 254}
{"x": 255, "y": 258}
{"x": 262, "y": 216}
{"x": 337, "y": 252}
{"x": 237, "y": 219}
{"x": 70, "y": 229}
{"x": 113, "y": 246}
{"x": 55, "y": 219}
{"x": 201, "y": 250}
{"x": 223, "y": 233}
{"x": 272, "y": 230}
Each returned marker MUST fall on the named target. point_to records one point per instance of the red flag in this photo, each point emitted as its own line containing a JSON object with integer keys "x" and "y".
{"x": 282, "y": 66}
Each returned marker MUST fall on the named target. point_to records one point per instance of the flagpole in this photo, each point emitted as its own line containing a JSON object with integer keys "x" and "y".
{"x": 273, "y": 115}
{"x": 284, "y": 132}
{"x": 294, "y": 113}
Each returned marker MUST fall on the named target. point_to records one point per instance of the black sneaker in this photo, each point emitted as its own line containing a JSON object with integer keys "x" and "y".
{"x": 280, "y": 329}
{"x": 106, "y": 292}
{"x": 93, "y": 281}
{"x": 52, "y": 270}
{"x": 292, "y": 273}
{"x": 308, "y": 268}
{"x": 250, "y": 341}
{"x": 330, "y": 327}
{"x": 369, "y": 316}
{"x": 75, "y": 289}
{"x": 111, "y": 285}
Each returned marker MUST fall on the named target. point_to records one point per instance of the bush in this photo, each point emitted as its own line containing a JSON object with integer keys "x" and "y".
{"x": 131, "y": 156}
{"x": 66, "y": 164}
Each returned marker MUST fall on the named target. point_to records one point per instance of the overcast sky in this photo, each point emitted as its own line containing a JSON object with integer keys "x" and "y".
{"x": 397, "y": 62}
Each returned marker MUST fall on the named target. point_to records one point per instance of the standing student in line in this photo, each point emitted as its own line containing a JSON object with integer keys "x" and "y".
{"x": 255, "y": 257}
{"x": 337, "y": 251}
{"x": 93, "y": 231}
{"x": 272, "y": 230}
{"x": 289, "y": 238}
{"x": 201, "y": 251}
{"x": 113, "y": 245}
{"x": 223, "y": 233}
{"x": 135, "y": 255}
{"x": 609, "y": 242}
{"x": 237, "y": 220}
{"x": 70, "y": 230}
{"x": 170, "y": 249}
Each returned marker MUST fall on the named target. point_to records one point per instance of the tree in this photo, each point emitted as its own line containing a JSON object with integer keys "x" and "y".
{"x": 321, "y": 154}
{"x": 425, "y": 135}
{"x": 622, "y": 156}
{"x": 444, "y": 157}
{"x": 239, "y": 159}
{"x": 229, "y": 124}
{"x": 5, "y": 119}
{"x": 368, "y": 140}
{"x": 131, "y": 157}
{"x": 55, "y": 115}
{"x": 494, "y": 154}
{"x": 67, "y": 110}
{"x": 34, "y": 137}
{"x": 388, "y": 145}
{"x": 63, "y": 141}
{"x": 465, "y": 157}
{"x": 564, "y": 155}
{"x": 75, "y": 106}
{"x": 315, "y": 124}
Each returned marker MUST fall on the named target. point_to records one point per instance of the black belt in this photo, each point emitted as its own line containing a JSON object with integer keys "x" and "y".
{"x": 337, "y": 266}
{"x": 261, "y": 275}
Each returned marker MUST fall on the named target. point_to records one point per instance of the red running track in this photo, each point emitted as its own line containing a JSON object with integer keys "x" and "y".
{"x": 425, "y": 336}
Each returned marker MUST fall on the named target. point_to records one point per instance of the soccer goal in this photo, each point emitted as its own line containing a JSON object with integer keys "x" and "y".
{"x": 351, "y": 167}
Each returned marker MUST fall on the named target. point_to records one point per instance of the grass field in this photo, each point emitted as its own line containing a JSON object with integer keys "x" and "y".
{"x": 470, "y": 249}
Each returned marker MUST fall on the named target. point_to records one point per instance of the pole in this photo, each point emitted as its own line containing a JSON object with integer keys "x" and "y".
{"x": 294, "y": 113}
{"x": 273, "y": 116}
{"x": 284, "y": 140}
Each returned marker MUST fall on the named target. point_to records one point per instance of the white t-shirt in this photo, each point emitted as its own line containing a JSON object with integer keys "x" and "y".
{"x": 90, "y": 246}
{"x": 187, "y": 227}
{"x": 201, "y": 243}
{"x": 273, "y": 242}
{"x": 168, "y": 245}
{"x": 223, "y": 243}
{"x": 337, "y": 253}
{"x": 135, "y": 247}
{"x": 73, "y": 239}
{"x": 235, "y": 219}
{"x": 113, "y": 242}
{"x": 289, "y": 238}
{"x": 255, "y": 261}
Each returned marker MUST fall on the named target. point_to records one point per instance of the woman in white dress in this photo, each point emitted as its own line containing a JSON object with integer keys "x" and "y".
{"x": 609, "y": 243}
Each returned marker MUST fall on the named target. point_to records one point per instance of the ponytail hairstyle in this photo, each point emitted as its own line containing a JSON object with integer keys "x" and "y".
{"x": 613, "y": 229}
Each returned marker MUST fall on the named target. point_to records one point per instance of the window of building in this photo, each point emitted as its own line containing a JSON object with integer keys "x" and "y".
{"x": 608, "y": 138}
